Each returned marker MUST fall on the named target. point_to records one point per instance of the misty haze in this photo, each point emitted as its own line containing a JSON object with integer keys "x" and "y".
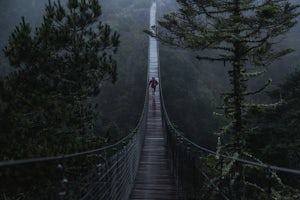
{"x": 149, "y": 99}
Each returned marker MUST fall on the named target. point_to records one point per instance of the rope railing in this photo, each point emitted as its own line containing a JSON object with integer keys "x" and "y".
{"x": 105, "y": 173}
{"x": 200, "y": 175}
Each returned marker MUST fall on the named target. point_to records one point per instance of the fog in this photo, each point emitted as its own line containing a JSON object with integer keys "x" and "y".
{"x": 11, "y": 12}
{"x": 201, "y": 80}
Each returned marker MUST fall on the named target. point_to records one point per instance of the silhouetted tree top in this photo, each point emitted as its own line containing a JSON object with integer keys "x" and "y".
{"x": 59, "y": 68}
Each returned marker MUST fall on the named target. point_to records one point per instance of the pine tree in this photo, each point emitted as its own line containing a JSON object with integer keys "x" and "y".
{"x": 276, "y": 139}
{"x": 240, "y": 33}
{"x": 59, "y": 68}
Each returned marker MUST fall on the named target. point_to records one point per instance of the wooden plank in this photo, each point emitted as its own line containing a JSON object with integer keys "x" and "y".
{"x": 154, "y": 178}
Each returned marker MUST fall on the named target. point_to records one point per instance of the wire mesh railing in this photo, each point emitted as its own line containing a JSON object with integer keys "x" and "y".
{"x": 203, "y": 174}
{"x": 104, "y": 173}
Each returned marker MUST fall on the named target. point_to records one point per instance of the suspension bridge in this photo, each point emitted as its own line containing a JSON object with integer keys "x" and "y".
{"x": 155, "y": 161}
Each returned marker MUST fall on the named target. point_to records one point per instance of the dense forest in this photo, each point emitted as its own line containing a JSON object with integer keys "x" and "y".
{"x": 205, "y": 80}
{"x": 119, "y": 105}
{"x": 191, "y": 90}
{"x": 248, "y": 43}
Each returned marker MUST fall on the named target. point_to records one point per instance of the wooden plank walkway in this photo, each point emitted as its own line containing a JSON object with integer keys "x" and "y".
{"x": 154, "y": 179}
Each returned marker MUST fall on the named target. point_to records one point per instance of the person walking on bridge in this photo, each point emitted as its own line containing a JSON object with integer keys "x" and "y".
{"x": 153, "y": 84}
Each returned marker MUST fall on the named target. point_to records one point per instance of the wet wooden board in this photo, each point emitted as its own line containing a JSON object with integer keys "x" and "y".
{"x": 154, "y": 179}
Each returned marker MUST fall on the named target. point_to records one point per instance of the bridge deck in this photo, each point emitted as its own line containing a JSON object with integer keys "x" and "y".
{"x": 154, "y": 179}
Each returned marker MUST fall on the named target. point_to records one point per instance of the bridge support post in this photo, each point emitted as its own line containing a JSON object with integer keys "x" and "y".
{"x": 269, "y": 177}
{"x": 63, "y": 180}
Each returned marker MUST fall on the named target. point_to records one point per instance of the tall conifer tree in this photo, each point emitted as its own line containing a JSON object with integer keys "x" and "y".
{"x": 59, "y": 67}
{"x": 240, "y": 33}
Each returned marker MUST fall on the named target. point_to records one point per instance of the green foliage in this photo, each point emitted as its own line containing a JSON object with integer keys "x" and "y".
{"x": 241, "y": 33}
{"x": 127, "y": 17}
{"x": 59, "y": 68}
{"x": 275, "y": 139}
